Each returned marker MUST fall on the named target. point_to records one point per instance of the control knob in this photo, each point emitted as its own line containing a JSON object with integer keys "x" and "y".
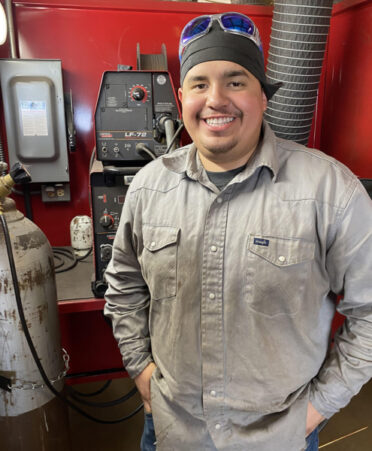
{"x": 138, "y": 94}
{"x": 106, "y": 221}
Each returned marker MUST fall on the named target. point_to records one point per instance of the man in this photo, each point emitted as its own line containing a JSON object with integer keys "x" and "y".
{"x": 227, "y": 265}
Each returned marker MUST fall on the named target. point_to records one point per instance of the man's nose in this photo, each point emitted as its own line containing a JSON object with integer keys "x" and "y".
{"x": 217, "y": 97}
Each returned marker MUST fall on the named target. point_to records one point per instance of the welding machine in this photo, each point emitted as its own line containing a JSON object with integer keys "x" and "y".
{"x": 135, "y": 121}
{"x": 135, "y": 117}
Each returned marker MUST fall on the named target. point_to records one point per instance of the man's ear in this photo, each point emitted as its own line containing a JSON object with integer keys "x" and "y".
{"x": 180, "y": 94}
{"x": 264, "y": 100}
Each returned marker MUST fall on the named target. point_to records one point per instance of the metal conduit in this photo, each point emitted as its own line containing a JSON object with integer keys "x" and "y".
{"x": 298, "y": 39}
{"x": 11, "y": 30}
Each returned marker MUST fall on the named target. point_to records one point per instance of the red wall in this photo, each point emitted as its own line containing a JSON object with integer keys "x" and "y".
{"x": 346, "y": 127}
{"x": 91, "y": 36}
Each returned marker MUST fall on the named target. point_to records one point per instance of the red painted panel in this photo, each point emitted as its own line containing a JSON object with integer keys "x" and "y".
{"x": 346, "y": 131}
{"x": 89, "y": 341}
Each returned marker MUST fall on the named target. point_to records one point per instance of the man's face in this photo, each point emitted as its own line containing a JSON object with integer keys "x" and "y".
{"x": 223, "y": 106}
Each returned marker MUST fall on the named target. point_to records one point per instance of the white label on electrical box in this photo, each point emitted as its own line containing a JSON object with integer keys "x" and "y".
{"x": 34, "y": 118}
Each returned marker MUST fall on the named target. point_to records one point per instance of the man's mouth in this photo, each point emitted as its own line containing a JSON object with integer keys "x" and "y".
{"x": 218, "y": 121}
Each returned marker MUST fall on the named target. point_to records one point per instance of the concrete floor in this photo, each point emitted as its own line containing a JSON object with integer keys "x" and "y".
{"x": 349, "y": 430}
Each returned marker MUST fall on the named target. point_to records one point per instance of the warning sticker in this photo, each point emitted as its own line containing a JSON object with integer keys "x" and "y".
{"x": 34, "y": 118}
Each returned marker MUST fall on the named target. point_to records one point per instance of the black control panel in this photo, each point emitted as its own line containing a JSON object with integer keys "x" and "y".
{"x": 108, "y": 188}
{"x": 130, "y": 114}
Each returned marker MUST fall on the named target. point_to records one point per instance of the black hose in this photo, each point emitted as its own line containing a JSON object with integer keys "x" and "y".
{"x": 83, "y": 257}
{"x": 67, "y": 254}
{"x": 58, "y": 251}
{"x": 60, "y": 264}
{"x": 28, "y": 202}
{"x": 143, "y": 151}
{"x": 31, "y": 345}
{"x": 174, "y": 137}
{"x": 112, "y": 403}
{"x": 87, "y": 374}
{"x": 97, "y": 392}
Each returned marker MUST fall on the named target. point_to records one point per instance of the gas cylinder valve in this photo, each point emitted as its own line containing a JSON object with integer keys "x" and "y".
{"x": 17, "y": 174}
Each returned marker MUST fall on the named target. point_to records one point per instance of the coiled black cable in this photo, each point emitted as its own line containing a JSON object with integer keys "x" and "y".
{"x": 112, "y": 403}
{"x": 31, "y": 344}
{"x": 60, "y": 260}
{"x": 65, "y": 252}
{"x": 95, "y": 393}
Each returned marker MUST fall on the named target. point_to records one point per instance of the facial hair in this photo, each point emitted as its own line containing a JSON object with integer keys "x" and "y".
{"x": 223, "y": 147}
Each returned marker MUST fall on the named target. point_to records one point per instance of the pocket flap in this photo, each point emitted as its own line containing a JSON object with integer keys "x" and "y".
{"x": 157, "y": 237}
{"x": 282, "y": 251}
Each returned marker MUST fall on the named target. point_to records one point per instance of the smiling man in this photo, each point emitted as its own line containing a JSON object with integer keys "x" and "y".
{"x": 227, "y": 265}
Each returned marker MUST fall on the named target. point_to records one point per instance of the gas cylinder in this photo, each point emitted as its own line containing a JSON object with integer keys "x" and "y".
{"x": 31, "y": 417}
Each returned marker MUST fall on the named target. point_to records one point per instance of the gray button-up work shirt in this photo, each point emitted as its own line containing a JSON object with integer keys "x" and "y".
{"x": 232, "y": 295}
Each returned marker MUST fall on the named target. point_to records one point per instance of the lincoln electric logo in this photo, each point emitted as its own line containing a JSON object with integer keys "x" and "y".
{"x": 261, "y": 242}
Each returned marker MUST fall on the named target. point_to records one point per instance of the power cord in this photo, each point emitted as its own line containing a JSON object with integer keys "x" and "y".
{"x": 31, "y": 344}
{"x": 60, "y": 253}
{"x": 95, "y": 393}
{"x": 178, "y": 131}
{"x": 112, "y": 403}
{"x": 143, "y": 151}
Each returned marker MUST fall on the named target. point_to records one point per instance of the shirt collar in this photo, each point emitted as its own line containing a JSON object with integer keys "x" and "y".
{"x": 186, "y": 160}
{"x": 265, "y": 155}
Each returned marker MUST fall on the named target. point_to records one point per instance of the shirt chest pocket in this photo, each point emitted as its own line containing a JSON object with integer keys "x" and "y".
{"x": 159, "y": 260}
{"x": 277, "y": 271}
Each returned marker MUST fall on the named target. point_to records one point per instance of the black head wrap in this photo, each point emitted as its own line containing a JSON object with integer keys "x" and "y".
{"x": 218, "y": 44}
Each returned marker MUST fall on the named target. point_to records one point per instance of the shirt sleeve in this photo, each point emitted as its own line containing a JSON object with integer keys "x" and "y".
{"x": 127, "y": 296}
{"x": 349, "y": 265}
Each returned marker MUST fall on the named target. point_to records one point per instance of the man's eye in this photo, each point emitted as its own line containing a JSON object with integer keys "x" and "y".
{"x": 236, "y": 84}
{"x": 200, "y": 86}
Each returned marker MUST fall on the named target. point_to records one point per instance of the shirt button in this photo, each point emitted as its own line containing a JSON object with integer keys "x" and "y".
{"x": 212, "y": 295}
{"x": 217, "y": 426}
{"x": 213, "y": 393}
{"x": 213, "y": 248}
{"x": 281, "y": 258}
{"x": 219, "y": 200}
{"x": 152, "y": 243}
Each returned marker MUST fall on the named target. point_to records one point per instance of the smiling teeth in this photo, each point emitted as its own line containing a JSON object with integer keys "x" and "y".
{"x": 219, "y": 120}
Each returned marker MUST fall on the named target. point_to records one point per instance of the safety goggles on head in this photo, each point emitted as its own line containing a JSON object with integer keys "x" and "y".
{"x": 234, "y": 23}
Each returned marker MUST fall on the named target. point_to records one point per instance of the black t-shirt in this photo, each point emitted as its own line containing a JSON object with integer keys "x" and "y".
{"x": 221, "y": 179}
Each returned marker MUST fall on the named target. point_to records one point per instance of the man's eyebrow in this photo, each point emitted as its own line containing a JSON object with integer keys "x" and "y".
{"x": 235, "y": 73}
{"x": 196, "y": 78}
{"x": 227, "y": 74}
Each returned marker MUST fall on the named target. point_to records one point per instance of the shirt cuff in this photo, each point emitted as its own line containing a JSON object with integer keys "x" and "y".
{"x": 134, "y": 369}
{"x": 319, "y": 403}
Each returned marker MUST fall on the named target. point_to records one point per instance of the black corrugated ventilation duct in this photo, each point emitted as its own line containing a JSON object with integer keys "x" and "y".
{"x": 298, "y": 39}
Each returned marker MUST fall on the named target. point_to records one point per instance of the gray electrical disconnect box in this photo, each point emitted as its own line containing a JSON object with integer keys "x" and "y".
{"x": 33, "y": 102}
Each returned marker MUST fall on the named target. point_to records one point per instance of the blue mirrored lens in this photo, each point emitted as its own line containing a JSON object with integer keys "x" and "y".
{"x": 194, "y": 28}
{"x": 236, "y": 22}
